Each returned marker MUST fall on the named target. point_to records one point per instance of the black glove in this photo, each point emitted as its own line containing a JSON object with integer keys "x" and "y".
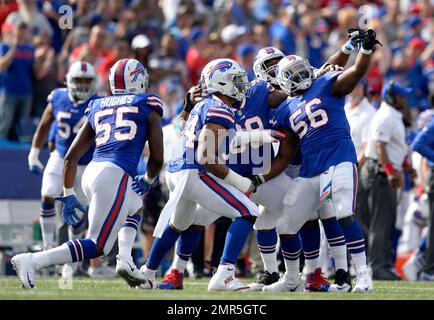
{"x": 370, "y": 40}
{"x": 356, "y": 35}
{"x": 187, "y": 106}
{"x": 257, "y": 180}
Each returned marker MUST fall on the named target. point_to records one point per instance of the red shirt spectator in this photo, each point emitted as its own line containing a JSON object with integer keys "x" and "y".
{"x": 195, "y": 59}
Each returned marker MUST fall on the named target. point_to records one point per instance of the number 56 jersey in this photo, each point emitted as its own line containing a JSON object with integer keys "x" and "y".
{"x": 318, "y": 118}
{"x": 121, "y": 128}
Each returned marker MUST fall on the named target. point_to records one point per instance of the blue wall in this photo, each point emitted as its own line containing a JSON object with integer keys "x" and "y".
{"x": 16, "y": 182}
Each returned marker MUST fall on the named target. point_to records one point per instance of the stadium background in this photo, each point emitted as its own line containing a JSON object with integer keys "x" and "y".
{"x": 174, "y": 39}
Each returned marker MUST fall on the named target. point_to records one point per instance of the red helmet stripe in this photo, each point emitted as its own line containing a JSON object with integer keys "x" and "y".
{"x": 83, "y": 67}
{"x": 119, "y": 74}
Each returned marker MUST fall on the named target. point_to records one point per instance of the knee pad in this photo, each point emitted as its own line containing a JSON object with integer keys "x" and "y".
{"x": 346, "y": 221}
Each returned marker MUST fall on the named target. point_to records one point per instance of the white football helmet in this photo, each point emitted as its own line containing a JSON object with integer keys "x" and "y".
{"x": 294, "y": 73}
{"x": 227, "y": 77}
{"x": 128, "y": 76}
{"x": 260, "y": 68}
{"x": 81, "y": 81}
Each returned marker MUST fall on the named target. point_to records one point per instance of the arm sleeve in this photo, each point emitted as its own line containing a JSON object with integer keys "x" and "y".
{"x": 424, "y": 142}
{"x": 221, "y": 116}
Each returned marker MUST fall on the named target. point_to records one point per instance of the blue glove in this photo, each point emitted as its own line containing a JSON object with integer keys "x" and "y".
{"x": 140, "y": 185}
{"x": 73, "y": 211}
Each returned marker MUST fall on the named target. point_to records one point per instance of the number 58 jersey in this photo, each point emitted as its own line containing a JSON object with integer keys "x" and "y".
{"x": 318, "y": 118}
{"x": 121, "y": 127}
{"x": 69, "y": 118}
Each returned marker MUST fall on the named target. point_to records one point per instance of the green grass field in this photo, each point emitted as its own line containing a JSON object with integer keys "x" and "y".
{"x": 85, "y": 288}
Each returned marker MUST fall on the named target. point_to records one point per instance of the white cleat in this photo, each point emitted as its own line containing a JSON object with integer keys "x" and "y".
{"x": 127, "y": 270}
{"x": 286, "y": 283}
{"x": 363, "y": 283}
{"x": 224, "y": 280}
{"x": 25, "y": 269}
{"x": 101, "y": 272}
{"x": 149, "y": 279}
{"x": 411, "y": 269}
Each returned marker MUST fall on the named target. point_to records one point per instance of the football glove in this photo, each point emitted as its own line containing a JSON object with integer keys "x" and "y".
{"x": 35, "y": 166}
{"x": 73, "y": 211}
{"x": 370, "y": 40}
{"x": 140, "y": 185}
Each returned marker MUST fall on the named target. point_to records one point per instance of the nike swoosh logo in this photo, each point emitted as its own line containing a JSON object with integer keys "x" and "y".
{"x": 132, "y": 269}
{"x": 231, "y": 269}
{"x": 28, "y": 279}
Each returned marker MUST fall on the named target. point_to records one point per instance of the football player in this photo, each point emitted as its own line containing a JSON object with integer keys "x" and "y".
{"x": 119, "y": 125}
{"x": 328, "y": 173}
{"x": 202, "y": 178}
{"x": 63, "y": 118}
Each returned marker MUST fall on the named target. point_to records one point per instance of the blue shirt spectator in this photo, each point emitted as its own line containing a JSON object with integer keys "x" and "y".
{"x": 17, "y": 79}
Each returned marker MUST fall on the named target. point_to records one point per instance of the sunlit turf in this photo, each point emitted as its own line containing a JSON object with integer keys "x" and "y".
{"x": 86, "y": 288}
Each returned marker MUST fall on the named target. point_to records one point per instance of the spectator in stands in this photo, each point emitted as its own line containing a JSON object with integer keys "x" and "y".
{"x": 45, "y": 75}
{"x": 120, "y": 49}
{"x": 7, "y": 7}
{"x": 281, "y": 32}
{"x": 95, "y": 50}
{"x": 16, "y": 70}
{"x": 196, "y": 58}
{"x": 28, "y": 13}
{"x": 142, "y": 49}
{"x": 246, "y": 53}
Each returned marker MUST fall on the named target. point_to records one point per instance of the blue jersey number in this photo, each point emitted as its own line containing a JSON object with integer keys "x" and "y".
{"x": 315, "y": 118}
{"x": 104, "y": 129}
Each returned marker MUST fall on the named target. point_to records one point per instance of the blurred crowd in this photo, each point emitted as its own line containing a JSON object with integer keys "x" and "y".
{"x": 175, "y": 39}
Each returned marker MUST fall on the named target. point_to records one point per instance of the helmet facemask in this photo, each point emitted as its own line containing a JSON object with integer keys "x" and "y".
{"x": 297, "y": 76}
{"x": 242, "y": 86}
{"x": 269, "y": 68}
{"x": 81, "y": 88}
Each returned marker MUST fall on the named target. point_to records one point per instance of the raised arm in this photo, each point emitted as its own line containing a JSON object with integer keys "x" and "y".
{"x": 347, "y": 81}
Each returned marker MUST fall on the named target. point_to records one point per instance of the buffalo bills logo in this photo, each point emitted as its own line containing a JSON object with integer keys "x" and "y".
{"x": 269, "y": 50}
{"x": 291, "y": 57}
{"x": 140, "y": 70}
{"x": 222, "y": 66}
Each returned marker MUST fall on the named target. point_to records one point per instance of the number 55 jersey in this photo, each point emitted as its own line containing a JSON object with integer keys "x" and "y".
{"x": 318, "y": 118}
{"x": 121, "y": 128}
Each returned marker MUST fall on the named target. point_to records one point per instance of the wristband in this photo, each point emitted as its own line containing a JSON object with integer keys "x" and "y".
{"x": 148, "y": 180}
{"x": 241, "y": 183}
{"x": 68, "y": 192}
{"x": 346, "y": 50}
{"x": 388, "y": 168}
{"x": 34, "y": 152}
{"x": 365, "y": 51}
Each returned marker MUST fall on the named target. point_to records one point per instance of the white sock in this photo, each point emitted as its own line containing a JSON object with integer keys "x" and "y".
{"x": 270, "y": 262}
{"x": 339, "y": 254}
{"x": 312, "y": 264}
{"x": 48, "y": 229}
{"x": 58, "y": 255}
{"x": 149, "y": 273}
{"x": 292, "y": 267}
{"x": 359, "y": 260}
{"x": 179, "y": 264}
{"x": 126, "y": 238}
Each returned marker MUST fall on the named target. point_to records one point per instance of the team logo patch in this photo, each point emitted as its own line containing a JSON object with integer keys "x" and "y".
{"x": 269, "y": 50}
{"x": 222, "y": 66}
{"x": 140, "y": 70}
